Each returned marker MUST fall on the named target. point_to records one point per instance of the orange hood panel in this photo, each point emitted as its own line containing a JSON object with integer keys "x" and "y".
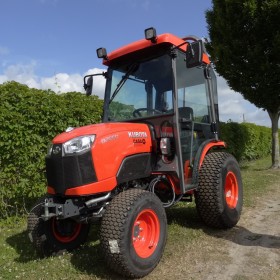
{"x": 113, "y": 143}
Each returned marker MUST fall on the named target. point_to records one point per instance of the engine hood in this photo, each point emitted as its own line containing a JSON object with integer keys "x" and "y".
{"x": 102, "y": 130}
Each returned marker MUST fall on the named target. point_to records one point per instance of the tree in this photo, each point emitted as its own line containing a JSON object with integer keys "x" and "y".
{"x": 245, "y": 48}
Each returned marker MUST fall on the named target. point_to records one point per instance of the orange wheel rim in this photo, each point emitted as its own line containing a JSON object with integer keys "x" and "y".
{"x": 65, "y": 235}
{"x": 146, "y": 233}
{"x": 231, "y": 190}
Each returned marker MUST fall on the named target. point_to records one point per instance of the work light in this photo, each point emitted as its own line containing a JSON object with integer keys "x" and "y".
{"x": 151, "y": 34}
{"x": 101, "y": 53}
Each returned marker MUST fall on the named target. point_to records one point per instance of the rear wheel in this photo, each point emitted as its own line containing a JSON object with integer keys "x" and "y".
{"x": 133, "y": 233}
{"x": 219, "y": 197}
{"x": 53, "y": 236}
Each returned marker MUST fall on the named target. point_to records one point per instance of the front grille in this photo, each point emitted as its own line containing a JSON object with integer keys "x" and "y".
{"x": 65, "y": 172}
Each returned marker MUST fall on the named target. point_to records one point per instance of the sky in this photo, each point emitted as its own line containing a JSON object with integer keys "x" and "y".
{"x": 51, "y": 44}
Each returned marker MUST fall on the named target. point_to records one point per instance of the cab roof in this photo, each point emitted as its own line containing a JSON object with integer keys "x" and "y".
{"x": 166, "y": 38}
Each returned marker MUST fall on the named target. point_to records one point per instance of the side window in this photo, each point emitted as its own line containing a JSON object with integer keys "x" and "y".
{"x": 164, "y": 102}
{"x": 196, "y": 98}
{"x": 192, "y": 92}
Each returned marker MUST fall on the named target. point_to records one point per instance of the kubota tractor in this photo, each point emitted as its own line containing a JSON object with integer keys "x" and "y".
{"x": 158, "y": 144}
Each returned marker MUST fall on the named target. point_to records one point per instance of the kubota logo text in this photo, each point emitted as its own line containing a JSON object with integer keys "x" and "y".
{"x": 137, "y": 134}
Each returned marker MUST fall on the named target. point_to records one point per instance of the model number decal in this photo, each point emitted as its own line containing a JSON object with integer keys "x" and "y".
{"x": 109, "y": 138}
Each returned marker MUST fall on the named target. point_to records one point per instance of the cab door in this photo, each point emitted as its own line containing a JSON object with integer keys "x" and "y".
{"x": 193, "y": 113}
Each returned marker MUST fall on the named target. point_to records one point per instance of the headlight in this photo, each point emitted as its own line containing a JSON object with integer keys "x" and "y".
{"x": 78, "y": 144}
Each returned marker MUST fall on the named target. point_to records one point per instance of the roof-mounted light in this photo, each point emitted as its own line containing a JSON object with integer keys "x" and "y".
{"x": 151, "y": 34}
{"x": 102, "y": 53}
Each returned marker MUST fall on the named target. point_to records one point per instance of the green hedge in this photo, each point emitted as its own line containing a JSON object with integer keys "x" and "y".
{"x": 246, "y": 141}
{"x": 29, "y": 119}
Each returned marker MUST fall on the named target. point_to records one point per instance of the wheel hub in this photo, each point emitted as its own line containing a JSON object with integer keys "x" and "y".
{"x": 231, "y": 190}
{"x": 146, "y": 233}
{"x": 65, "y": 231}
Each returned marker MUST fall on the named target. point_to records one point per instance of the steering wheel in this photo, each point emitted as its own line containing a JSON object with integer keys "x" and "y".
{"x": 136, "y": 113}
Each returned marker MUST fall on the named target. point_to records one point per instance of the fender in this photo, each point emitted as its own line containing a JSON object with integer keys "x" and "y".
{"x": 209, "y": 146}
{"x": 204, "y": 148}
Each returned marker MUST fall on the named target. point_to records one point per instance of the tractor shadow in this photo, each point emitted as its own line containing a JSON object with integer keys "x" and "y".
{"x": 244, "y": 237}
{"x": 184, "y": 215}
{"x": 22, "y": 245}
{"x": 187, "y": 217}
{"x": 88, "y": 259}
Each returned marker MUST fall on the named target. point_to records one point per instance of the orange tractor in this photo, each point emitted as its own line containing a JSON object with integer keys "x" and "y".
{"x": 158, "y": 144}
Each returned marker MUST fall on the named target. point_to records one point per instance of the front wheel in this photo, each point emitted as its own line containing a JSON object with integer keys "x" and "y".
{"x": 219, "y": 197}
{"x": 133, "y": 233}
{"x": 53, "y": 236}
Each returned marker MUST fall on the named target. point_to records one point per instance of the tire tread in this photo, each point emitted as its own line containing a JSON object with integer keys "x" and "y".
{"x": 208, "y": 199}
{"x": 113, "y": 228}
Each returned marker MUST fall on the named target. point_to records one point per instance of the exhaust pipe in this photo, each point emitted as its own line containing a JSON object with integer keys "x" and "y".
{"x": 93, "y": 201}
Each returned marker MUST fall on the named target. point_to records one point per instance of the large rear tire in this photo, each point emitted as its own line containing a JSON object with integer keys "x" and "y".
{"x": 54, "y": 236}
{"x": 133, "y": 233}
{"x": 219, "y": 197}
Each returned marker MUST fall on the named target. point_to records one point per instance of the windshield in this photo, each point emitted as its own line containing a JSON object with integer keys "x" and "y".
{"x": 140, "y": 90}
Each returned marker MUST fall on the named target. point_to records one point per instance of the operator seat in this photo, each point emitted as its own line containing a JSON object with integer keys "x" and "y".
{"x": 186, "y": 119}
{"x": 185, "y": 114}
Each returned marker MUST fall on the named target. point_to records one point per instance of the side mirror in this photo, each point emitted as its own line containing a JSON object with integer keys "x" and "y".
{"x": 194, "y": 54}
{"x": 88, "y": 81}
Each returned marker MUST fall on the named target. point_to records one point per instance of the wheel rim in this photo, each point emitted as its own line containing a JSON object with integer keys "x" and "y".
{"x": 65, "y": 231}
{"x": 231, "y": 190}
{"x": 145, "y": 233}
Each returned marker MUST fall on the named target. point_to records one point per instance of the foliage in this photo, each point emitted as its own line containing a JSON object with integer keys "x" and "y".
{"x": 245, "y": 46}
{"x": 246, "y": 141}
{"x": 29, "y": 119}
{"x": 120, "y": 111}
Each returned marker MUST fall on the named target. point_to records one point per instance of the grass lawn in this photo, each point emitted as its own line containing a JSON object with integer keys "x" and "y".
{"x": 18, "y": 259}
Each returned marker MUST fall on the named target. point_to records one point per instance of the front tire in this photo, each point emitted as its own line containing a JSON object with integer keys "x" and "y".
{"x": 219, "y": 197}
{"x": 133, "y": 233}
{"x": 54, "y": 236}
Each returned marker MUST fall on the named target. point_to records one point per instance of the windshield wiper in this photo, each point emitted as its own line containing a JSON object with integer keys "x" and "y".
{"x": 131, "y": 69}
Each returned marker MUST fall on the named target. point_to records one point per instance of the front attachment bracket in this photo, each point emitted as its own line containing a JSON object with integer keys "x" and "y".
{"x": 60, "y": 210}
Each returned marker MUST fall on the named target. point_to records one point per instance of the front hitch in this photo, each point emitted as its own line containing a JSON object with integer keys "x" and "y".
{"x": 61, "y": 210}
{"x": 72, "y": 208}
